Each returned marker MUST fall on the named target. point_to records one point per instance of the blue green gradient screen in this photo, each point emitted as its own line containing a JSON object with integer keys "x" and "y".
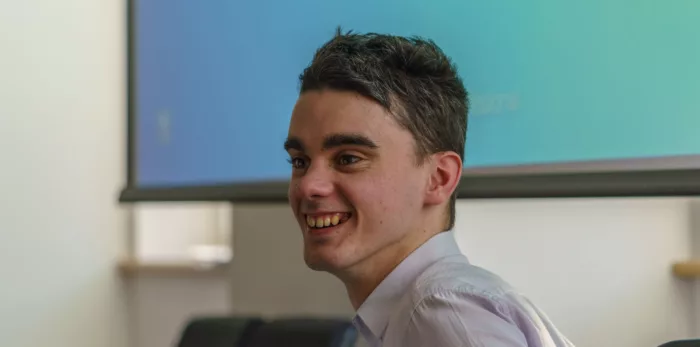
{"x": 550, "y": 81}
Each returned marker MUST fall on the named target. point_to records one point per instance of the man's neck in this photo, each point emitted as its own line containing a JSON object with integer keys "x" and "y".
{"x": 364, "y": 277}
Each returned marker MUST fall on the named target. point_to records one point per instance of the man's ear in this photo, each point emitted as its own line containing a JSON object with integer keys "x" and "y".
{"x": 444, "y": 177}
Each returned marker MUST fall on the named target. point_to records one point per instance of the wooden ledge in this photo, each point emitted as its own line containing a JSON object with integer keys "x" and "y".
{"x": 131, "y": 268}
{"x": 687, "y": 269}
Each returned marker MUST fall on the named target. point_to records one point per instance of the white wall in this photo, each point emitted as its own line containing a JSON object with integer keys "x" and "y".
{"x": 167, "y": 232}
{"x": 61, "y": 166}
{"x": 600, "y": 268}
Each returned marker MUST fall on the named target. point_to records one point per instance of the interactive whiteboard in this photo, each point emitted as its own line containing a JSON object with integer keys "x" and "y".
{"x": 580, "y": 92}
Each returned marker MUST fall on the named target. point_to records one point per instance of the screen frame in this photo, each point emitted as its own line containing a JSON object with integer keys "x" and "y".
{"x": 648, "y": 177}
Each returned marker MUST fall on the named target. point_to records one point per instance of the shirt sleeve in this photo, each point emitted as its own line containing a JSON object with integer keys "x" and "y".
{"x": 450, "y": 319}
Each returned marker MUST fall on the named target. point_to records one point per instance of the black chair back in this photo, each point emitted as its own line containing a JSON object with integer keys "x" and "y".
{"x": 218, "y": 331}
{"x": 295, "y": 332}
{"x": 682, "y": 343}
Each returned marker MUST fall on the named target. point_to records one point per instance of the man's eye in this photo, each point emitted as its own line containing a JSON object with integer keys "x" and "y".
{"x": 297, "y": 163}
{"x": 347, "y": 159}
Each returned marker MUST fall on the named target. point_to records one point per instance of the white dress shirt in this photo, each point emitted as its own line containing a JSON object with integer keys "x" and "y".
{"x": 435, "y": 297}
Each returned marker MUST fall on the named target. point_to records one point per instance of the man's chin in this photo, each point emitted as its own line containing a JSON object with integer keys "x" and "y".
{"x": 317, "y": 266}
{"x": 318, "y": 262}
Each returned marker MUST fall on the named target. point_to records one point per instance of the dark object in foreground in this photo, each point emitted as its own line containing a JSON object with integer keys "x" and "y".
{"x": 256, "y": 332}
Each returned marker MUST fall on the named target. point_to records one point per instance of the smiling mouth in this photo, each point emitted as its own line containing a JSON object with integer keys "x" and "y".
{"x": 322, "y": 221}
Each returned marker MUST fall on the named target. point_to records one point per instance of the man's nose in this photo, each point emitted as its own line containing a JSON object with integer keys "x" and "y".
{"x": 316, "y": 181}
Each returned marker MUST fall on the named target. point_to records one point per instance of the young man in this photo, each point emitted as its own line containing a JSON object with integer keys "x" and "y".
{"x": 376, "y": 144}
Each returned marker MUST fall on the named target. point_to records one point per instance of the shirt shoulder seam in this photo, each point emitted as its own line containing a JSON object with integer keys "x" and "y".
{"x": 464, "y": 289}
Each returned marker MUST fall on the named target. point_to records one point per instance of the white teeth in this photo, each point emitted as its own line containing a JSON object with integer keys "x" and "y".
{"x": 327, "y": 221}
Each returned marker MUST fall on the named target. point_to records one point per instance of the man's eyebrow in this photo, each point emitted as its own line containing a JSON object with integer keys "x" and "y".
{"x": 293, "y": 143}
{"x": 337, "y": 140}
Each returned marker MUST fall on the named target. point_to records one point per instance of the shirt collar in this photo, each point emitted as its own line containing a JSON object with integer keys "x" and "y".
{"x": 374, "y": 312}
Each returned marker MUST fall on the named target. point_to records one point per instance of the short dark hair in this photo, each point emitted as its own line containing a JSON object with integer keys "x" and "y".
{"x": 410, "y": 77}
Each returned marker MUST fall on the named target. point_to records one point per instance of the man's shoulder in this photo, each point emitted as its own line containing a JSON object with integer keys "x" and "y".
{"x": 471, "y": 293}
{"x": 455, "y": 274}
{"x": 448, "y": 293}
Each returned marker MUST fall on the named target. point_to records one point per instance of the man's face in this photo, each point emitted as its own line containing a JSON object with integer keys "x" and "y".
{"x": 355, "y": 173}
